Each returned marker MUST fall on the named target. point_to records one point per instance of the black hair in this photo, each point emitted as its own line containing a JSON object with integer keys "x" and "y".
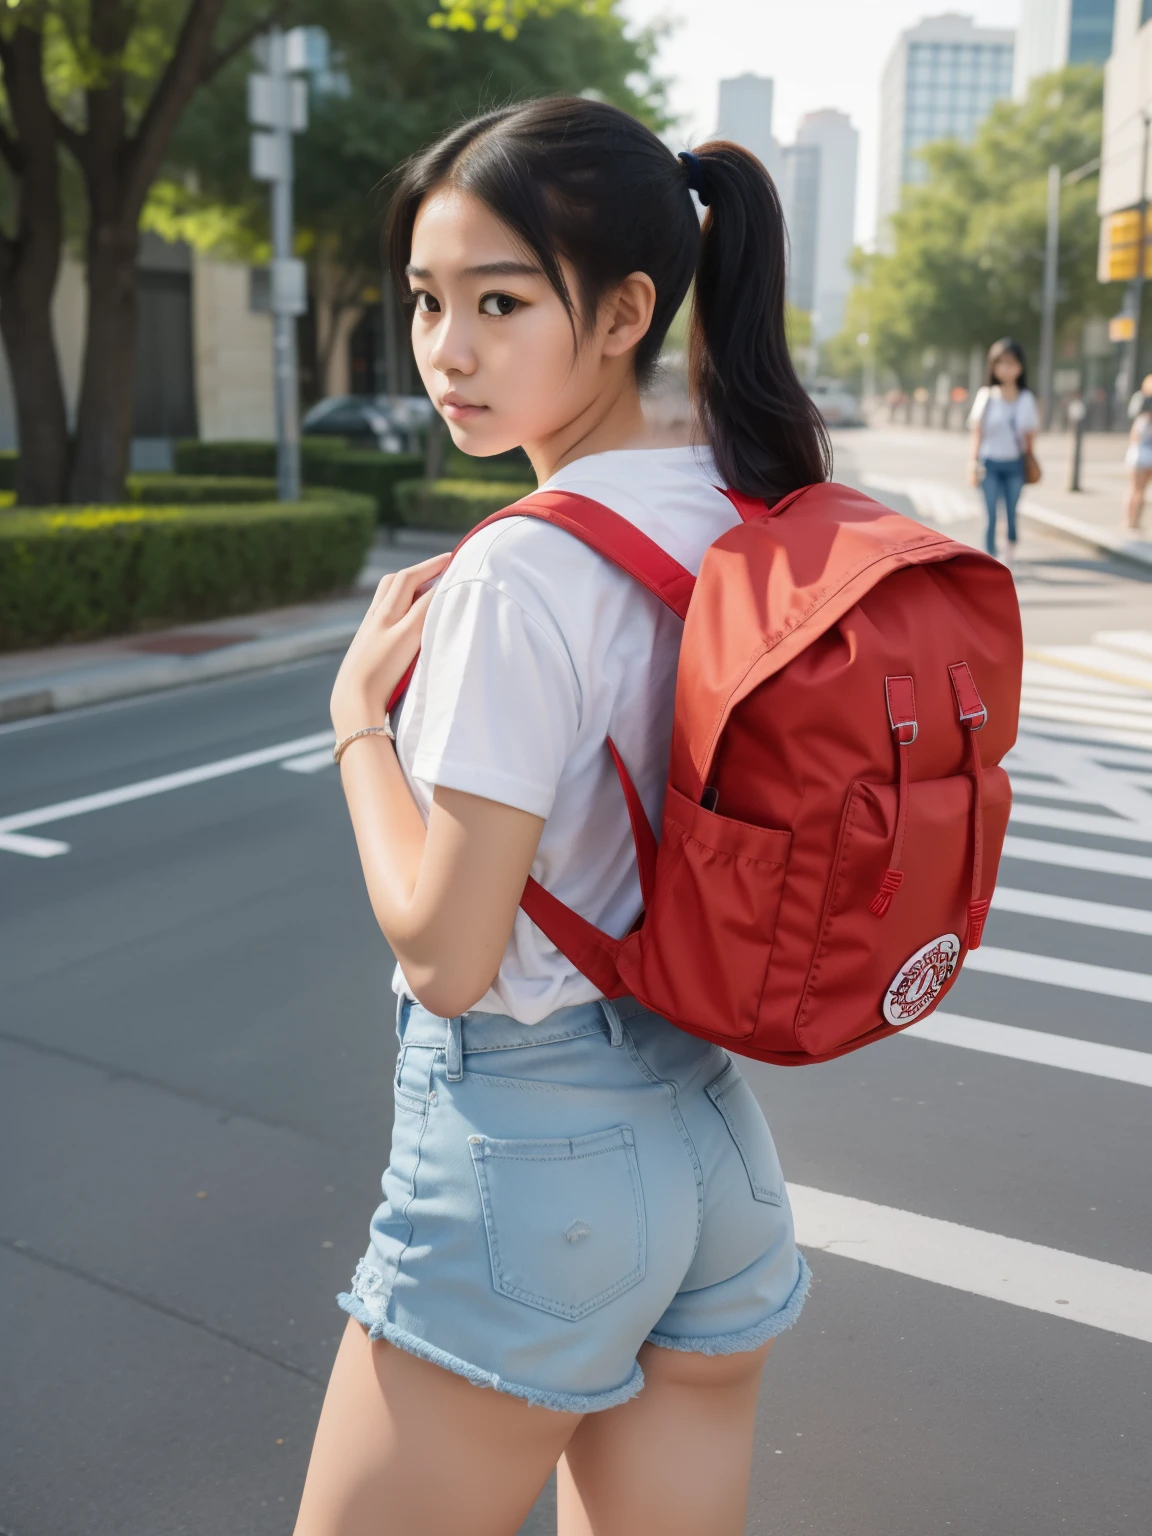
{"x": 585, "y": 181}
{"x": 1006, "y": 346}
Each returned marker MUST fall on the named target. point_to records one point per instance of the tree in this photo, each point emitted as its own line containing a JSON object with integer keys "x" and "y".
{"x": 108, "y": 81}
{"x": 408, "y": 81}
{"x": 968, "y": 244}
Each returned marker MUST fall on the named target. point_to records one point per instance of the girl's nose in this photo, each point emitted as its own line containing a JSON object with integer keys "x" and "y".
{"x": 451, "y": 350}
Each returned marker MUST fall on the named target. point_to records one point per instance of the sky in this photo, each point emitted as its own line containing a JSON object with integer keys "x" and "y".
{"x": 821, "y": 53}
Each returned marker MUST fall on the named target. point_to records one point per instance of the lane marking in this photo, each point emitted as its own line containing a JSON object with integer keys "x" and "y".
{"x": 159, "y": 786}
{"x": 311, "y": 762}
{"x": 1032, "y": 1045}
{"x": 1097, "y": 662}
{"x": 1077, "y": 975}
{"x": 1083, "y": 821}
{"x": 1042, "y": 723}
{"x": 1069, "y": 856}
{"x": 1065, "y": 1285}
{"x": 33, "y": 847}
{"x": 1067, "y": 909}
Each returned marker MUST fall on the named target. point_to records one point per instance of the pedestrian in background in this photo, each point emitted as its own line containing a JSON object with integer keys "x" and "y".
{"x": 1004, "y": 423}
{"x": 1139, "y": 456}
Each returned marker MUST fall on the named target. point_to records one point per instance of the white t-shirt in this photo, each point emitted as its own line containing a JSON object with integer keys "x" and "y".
{"x": 536, "y": 649}
{"x": 1003, "y": 424}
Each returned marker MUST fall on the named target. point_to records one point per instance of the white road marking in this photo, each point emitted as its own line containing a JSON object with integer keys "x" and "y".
{"x": 1051, "y": 971}
{"x": 1071, "y": 856}
{"x": 939, "y": 503}
{"x": 311, "y": 762}
{"x": 1067, "y": 909}
{"x": 1048, "y": 1280}
{"x": 144, "y": 788}
{"x": 1033, "y": 1045}
{"x": 1083, "y": 821}
{"x": 1129, "y": 642}
{"x": 1094, "y": 661}
{"x": 1044, "y": 721}
{"x": 32, "y": 847}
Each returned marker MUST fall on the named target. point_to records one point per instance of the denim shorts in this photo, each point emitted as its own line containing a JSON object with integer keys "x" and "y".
{"x": 558, "y": 1194}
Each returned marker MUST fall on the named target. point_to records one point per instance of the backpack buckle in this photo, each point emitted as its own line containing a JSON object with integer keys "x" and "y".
{"x": 968, "y": 700}
{"x": 901, "y": 698}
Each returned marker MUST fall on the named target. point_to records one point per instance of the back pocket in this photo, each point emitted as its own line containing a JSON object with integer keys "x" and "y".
{"x": 749, "y": 1130}
{"x": 565, "y": 1218}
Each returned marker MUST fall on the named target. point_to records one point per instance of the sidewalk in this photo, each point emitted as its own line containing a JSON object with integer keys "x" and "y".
{"x": 68, "y": 676}
{"x": 1092, "y": 516}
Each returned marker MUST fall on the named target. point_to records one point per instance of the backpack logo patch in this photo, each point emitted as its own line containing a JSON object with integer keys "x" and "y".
{"x": 919, "y": 981}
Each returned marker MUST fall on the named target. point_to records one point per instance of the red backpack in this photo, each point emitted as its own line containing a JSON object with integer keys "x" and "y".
{"x": 848, "y": 683}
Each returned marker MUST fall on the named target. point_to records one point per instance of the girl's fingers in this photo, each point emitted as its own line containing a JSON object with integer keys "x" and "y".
{"x": 405, "y": 585}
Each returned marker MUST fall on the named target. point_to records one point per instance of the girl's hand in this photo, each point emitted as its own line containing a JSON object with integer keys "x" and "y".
{"x": 383, "y": 647}
{"x": 973, "y": 472}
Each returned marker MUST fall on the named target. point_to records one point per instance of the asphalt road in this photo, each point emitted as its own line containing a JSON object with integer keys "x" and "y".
{"x": 195, "y": 1058}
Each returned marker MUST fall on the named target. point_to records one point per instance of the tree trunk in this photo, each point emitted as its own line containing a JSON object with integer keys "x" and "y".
{"x": 26, "y": 289}
{"x": 108, "y": 383}
{"x": 29, "y": 266}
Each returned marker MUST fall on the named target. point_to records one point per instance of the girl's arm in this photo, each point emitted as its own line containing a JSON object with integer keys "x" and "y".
{"x": 445, "y": 896}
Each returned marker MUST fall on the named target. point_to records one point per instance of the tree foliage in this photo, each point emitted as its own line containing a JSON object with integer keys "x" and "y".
{"x": 967, "y": 257}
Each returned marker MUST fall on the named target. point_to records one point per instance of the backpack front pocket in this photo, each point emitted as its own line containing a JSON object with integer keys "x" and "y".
{"x": 565, "y": 1218}
{"x": 706, "y": 943}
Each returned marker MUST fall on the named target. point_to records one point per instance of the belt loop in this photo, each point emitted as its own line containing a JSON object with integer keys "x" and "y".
{"x": 400, "y": 1001}
{"x": 615, "y": 1027}
{"x": 454, "y": 1052}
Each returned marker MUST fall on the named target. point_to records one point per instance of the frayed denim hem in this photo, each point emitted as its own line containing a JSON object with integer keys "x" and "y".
{"x": 747, "y": 1338}
{"x": 561, "y": 1402}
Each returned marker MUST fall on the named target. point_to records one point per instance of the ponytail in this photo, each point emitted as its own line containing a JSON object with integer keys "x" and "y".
{"x": 585, "y": 182}
{"x": 766, "y": 435}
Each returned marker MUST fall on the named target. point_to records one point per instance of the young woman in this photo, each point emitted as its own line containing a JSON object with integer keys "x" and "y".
{"x": 583, "y": 1208}
{"x": 1004, "y": 423}
{"x": 1138, "y": 458}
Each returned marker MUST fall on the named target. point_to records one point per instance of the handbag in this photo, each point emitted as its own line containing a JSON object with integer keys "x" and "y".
{"x": 1032, "y": 470}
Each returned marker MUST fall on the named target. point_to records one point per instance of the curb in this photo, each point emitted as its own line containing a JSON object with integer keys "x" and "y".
{"x": 152, "y": 674}
{"x": 1138, "y": 551}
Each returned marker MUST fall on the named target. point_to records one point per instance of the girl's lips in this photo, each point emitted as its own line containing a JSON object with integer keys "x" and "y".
{"x": 460, "y": 411}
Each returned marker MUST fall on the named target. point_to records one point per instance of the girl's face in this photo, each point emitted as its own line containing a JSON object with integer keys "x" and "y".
{"x": 493, "y": 342}
{"x": 1006, "y": 369}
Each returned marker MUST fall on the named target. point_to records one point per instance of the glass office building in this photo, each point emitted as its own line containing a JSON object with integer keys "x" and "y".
{"x": 940, "y": 81}
{"x": 1054, "y": 33}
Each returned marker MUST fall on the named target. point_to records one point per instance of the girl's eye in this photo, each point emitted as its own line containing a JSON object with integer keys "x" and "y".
{"x": 426, "y": 304}
{"x": 498, "y": 304}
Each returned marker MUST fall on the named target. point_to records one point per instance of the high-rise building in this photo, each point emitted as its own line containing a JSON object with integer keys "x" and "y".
{"x": 1053, "y": 33}
{"x": 941, "y": 78}
{"x": 838, "y": 142}
{"x": 800, "y": 195}
{"x": 745, "y": 117}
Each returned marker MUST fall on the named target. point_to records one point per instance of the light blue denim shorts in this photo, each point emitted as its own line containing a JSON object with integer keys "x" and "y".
{"x": 558, "y": 1194}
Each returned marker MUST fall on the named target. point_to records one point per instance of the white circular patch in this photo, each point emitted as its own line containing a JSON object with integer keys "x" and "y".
{"x": 918, "y": 982}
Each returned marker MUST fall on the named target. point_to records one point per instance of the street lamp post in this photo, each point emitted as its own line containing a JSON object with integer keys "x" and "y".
{"x": 278, "y": 107}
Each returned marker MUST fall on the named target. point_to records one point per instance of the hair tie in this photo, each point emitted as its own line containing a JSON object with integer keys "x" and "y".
{"x": 697, "y": 177}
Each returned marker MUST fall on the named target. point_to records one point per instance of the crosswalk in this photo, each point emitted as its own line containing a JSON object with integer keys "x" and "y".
{"x": 1077, "y": 861}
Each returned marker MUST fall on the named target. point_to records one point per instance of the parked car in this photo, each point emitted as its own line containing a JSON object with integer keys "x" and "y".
{"x": 836, "y": 403}
{"x": 390, "y": 423}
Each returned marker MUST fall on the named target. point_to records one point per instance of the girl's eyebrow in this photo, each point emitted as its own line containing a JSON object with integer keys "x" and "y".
{"x": 486, "y": 269}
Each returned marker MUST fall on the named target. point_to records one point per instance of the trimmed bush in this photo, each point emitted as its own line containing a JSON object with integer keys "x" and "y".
{"x": 323, "y": 461}
{"x": 505, "y": 467}
{"x": 191, "y": 490}
{"x": 454, "y": 505}
{"x": 75, "y": 572}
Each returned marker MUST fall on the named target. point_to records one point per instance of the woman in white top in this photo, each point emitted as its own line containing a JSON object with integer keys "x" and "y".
{"x": 1004, "y": 423}
{"x": 1139, "y": 455}
{"x": 581, "y": 1201}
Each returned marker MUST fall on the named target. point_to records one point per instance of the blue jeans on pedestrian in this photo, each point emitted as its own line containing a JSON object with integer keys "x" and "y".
{"x": 1003, "y": 481}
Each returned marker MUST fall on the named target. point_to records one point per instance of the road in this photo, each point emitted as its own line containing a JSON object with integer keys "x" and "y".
{"x": 196, "y": 1052}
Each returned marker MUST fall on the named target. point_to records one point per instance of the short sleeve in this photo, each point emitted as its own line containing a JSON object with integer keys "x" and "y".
{"x": 976, "y": 414}
{"x": 1029, "y": 420}
{"x": 503, "y": 700}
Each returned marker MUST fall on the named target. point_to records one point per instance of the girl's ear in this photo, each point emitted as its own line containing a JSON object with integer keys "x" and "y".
{"x": 629, "y": 314}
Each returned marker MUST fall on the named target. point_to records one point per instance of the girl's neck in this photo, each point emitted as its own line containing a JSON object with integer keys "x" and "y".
{"x": 615, "y": 419}
{"x": 1008, "y": 391}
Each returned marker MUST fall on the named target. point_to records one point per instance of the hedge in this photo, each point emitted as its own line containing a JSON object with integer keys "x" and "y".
{"x": 505, "y": 467}
{"x": 454, "y": 505}
{"x": 72, "y": 572}
{"x": 323, "y": 460}
{"x": 183, "y": 490}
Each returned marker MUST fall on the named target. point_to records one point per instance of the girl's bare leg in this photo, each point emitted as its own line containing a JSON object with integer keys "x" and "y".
{"x": 1137, "y": 486}
{"x": 674, "y": 1461}
{"x": 405, "y": 1448}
